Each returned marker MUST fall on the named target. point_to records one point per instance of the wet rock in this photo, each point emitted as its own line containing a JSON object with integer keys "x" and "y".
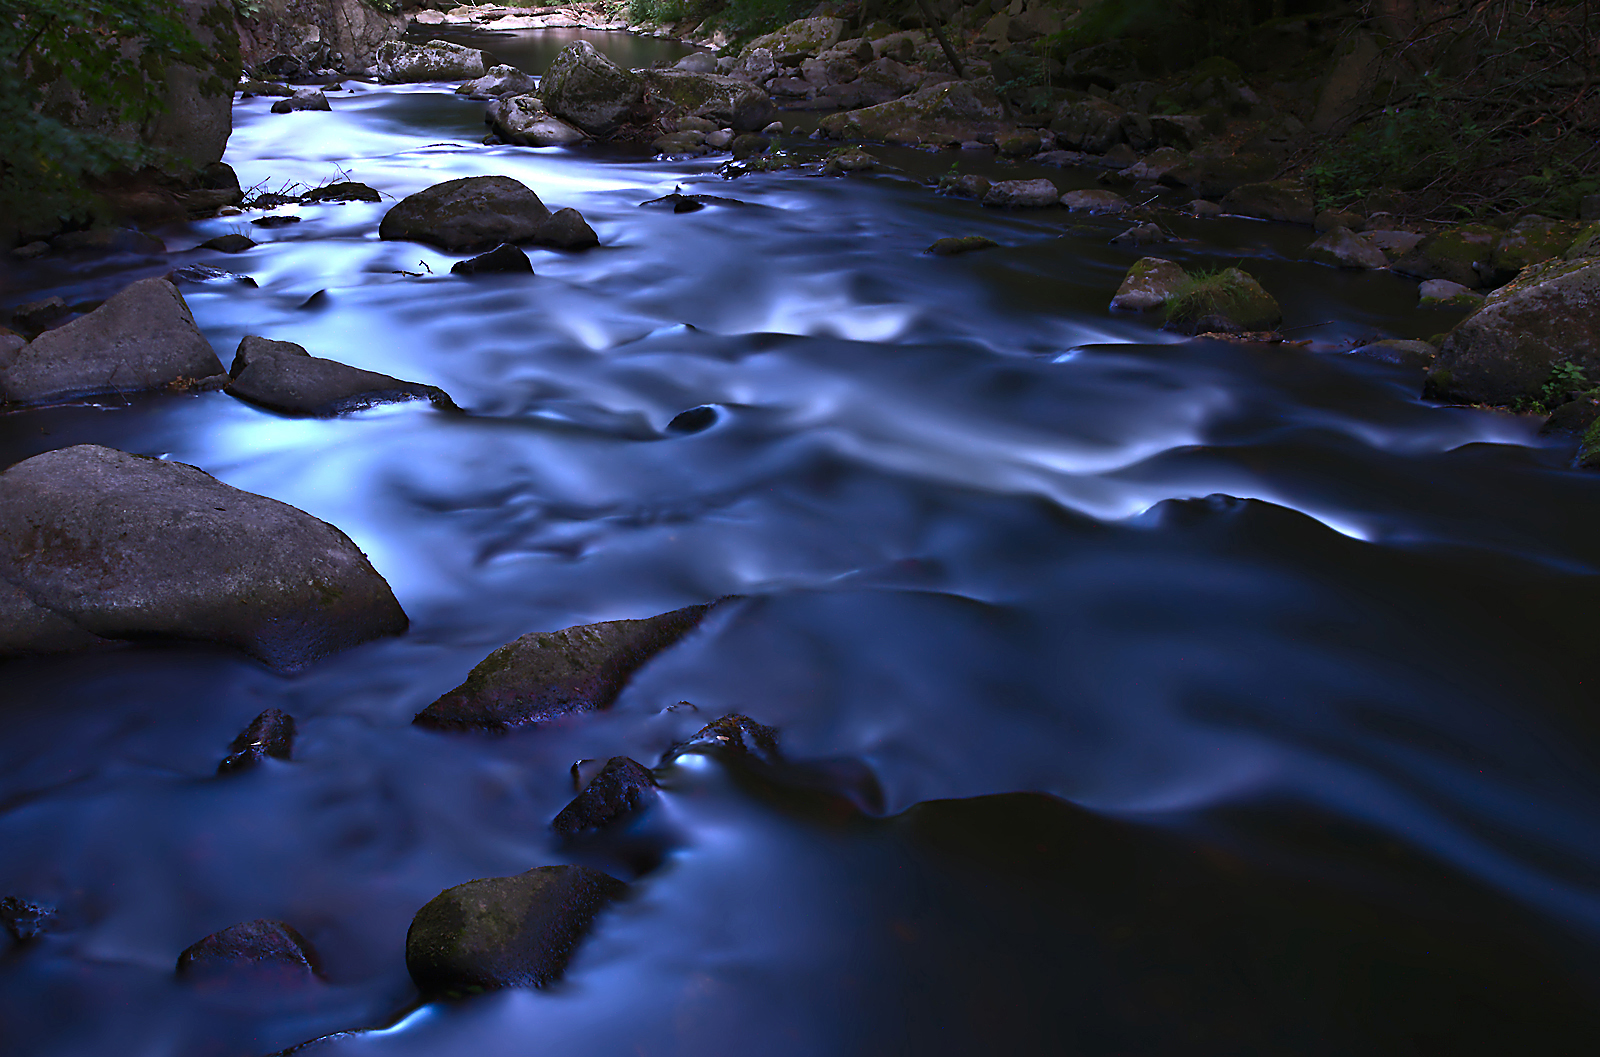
{"x": 1343, "y": 248}
{"x": 1575, "y": 417}
{"x": 1229, "y": 302}
{"x": 1415, "y": 354}
{"x": 143, "y": 338}
{"x": 400, "y": 62}
{"x": 749, "y": 145}
{"x": 734, "y": 735}
{"x": 1059, "y": 159}
{"x": 276, "y": 221}
{"x": 1141, "y": 235}
{"x": 679, "y": 144}
{"x": 959, "y": 108}
{"x": 250, "y": 87}
{"x": 1214, "y": 175}
{"x": 283, "y": 377}
{"x": 1155, "y": 165}
{"x": 698, "y": 62}
{"x": 205, "y": 273}
{"x": 255, "y": 951}
{"x": 1149, "y": 284}
{"x": 950, "y": 247}
{"x": 1394, "y": 244}
{"x": 545, "y": 675}
{"x": 98, "y": 544}
{"x": 269, "y": 734}
{"x": 498, "y": 81}
{"x": 848, "y": 160}
{"x": 1285, "y": 200}
{"x": 479, "y": 212}
{"x": 1094, "y": 201}
{"x": 694, "y": 420}
{"x": 800, "y": 39}
{"x": 623, "y": 788}
{"x": 1202, "y": 208}
{"x": 725, "y": 101}
{"x": 25, "y": 920}
{"x": 1587, "y": 244}
{"x": 505, "y": 931}
{"x": 1531, "y": 240}
{"x": 303, "y": 99}
{"x": 343, "y": 191}
{"x": 504, "y": 258}
{"x": 1090, "y": 125}
{"x": 1442, "y": 293}
{"x": 1021, "y": 194}
{"x": 966, "y": 185}
{"x": 231, "y": 243}
{"x": 589, "y": 91}
{"x": 1508, "y": 348}
{"x": 523, "y": 121}
{"x": 1461, "y": 254}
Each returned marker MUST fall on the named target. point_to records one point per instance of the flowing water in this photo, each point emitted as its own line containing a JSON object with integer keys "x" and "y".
{"x": 1154, "y": 697}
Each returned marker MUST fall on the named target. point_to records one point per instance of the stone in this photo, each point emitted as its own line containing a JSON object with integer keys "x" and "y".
{"x": 400, "y": 62}
{"x": 1343, "y": 248}
{"x": 1589, "y": 208}
{"x": 1228, "y": 302}
{"x": 734, "y": 736}
{"x": 726, "y": 101}
{"x": 313, "y": 31}
{"x": 1149, "y": 284}
{"x": 893, "y": 78}
{"x": 256, "y": 951}
{"x": 623, "y": 788}
{"x": 1021, "y": 194}
{"x": 1442, "y": 293}
{"x": 31, "y": 250}
{"x": 749, "y": 145}
{"x": 755, "y": 66}
{"x": 230, "y": 243}
{"x": 697, "y": 62}
{"x": 523, "y": 121}
{"x": 1059, "y": 159}
{"x": 277, "y": 220}
{"x": 721, "y": 139}
{"x": 1394, "y": 244}
{"x": 957, "y": 108}
{"x": 98, "y": 544}
{"x": 1155, "y": 165}
{"x": 1140, "y": 235}
{"x": 1531, "y": 240}
{"x": 283, "y": 377}
{"x": 1094, "y": 201}
{"x": 566, "y": 230}
{"x": 499, "y": 81}
{"x": 25, "y": 920}
{"x": 1183, "y": 131}
{"x": 1507, "y": 349}
{"x": 966, "y": 185}
{"x": 343, "y": 191}
{"x": 694, "y": 420}
{"x": 269, "y": 734}
{"x": 1462, "y": 254}
{"x": 1019, "y": 144}
{"x": 545, "y": 675}
{"x": 950, "y": 247}
{"x": 589, "y": 91}
{"x": 504, "y": 258}
{"x": 800, "y": 39}
{"x": 34, "y": 316}
{"x": 505, "y": 931}
{"x": 1285, "y": 200}
{"x": 142, "y": 338}
{"x": 848, "y": 160}
{"x": 680, "y": 144}
{"x": 1202, "y": 208}
{"x": 1587, "y": 244}
{"x": 303, "y": 99}
{"x": 1211, "y": 175}
{"x": 480, "y": 212}
{"x": 1329, "y": 219}
{"x": 1417, "y": 355}
{"x": 1088, "y": 124}
{"x": 1574, "y": 417}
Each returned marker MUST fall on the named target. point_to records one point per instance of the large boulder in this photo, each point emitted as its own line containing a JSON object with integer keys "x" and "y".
{"x": 480, "y": 212}
{"x": 1286, "y": 200}
{"x": 400, "y": 62}
{"x": 498, "y": 81}
{"x": 1343, "y": 248}
{"x": 588, "y": 90}
{"x": 1211, "y": 175}
{"x": 1088, "y": 124}
{"x": 522, "y": 120}
{"x": 545, "y": 675}
{"x": 505, "y": 931}
{"x": 1508, "y": 349}
{"x": 143, "y": 338}
{"x": 98, "y": 544}
{"x": 346, "y": 33}
{"x": 957, "y": 109}
{"x": 1149, "y": 284}
{"x": 725, "y": 101}
{"x": 282, "y": 376}
{"x": 1462, "y": 254}
{"x": 1531, "y": 240}
{"x": 1227, "y": 302}
{"x": 800, "y": 39}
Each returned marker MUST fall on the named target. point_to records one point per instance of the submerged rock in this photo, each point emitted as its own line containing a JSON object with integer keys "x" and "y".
{"x": 97, "y": 544}
{"x": 257, "y": 951}
{"x": 480, "y": 212}
{"x": 950, "y": 247}
{"x": 143, "y": 338}
{"x": 505, "y": 931}
{"x": 400, "y": 62}
{"x": 283, "y": 377}
{"x": 25, "y": 920}
{"x": 231, "y": 243}
{"x": 622, "y": 788}
{"x": 498, "y": 81}
{"x": 734, "y": 735}
{"x": 269, "y": 734}
{"x": 545, "y": 675}
{"x": 523, "y": 121}
{"x": 1149, "y": 284}
{"x": 1509, "y": 348}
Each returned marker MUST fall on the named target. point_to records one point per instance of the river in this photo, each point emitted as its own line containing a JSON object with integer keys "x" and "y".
{"x": 1157, "y": 696}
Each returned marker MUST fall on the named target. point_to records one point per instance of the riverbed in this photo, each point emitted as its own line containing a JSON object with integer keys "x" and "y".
{"x": 1156, "y": 696}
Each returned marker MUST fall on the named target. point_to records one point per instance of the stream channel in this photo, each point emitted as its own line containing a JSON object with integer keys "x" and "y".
{"x": 1158, "y": 696}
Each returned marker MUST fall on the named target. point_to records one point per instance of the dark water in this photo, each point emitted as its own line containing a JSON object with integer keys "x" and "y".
{"x": 1210, "y": 699}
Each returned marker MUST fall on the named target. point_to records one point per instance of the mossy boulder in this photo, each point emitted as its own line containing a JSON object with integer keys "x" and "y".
{"x": 954, "y": 108}
{"x": 725, "y": 101}
{"x": 588, "y": 91}
{"x": 503, "y": 932}
{"x": 1149, "y": 284}
{"x": 1211, "y": 175}
{"x": 401, "y": 62}
{"x": 1506, "y": 350}
{"x": 953, "y": 246}
{"x": 523, "y": 121}
{"x": 1442, "y": 293}
{"x": 1462, "y": 254}
{"x": 1530, "y": 241}
{"x": 1088, "y": 124}
{"x": 545, "y": 675}
{"x": 1587, "y": 244}
{"x": 1589, "y": 447}
{"x": 1286, "y": 200}
{"x": 800, "y": 39}
{"x": 1225, "y": 302}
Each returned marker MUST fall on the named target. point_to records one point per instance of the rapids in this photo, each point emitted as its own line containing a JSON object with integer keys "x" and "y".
{"x": 1274, "y": 684}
